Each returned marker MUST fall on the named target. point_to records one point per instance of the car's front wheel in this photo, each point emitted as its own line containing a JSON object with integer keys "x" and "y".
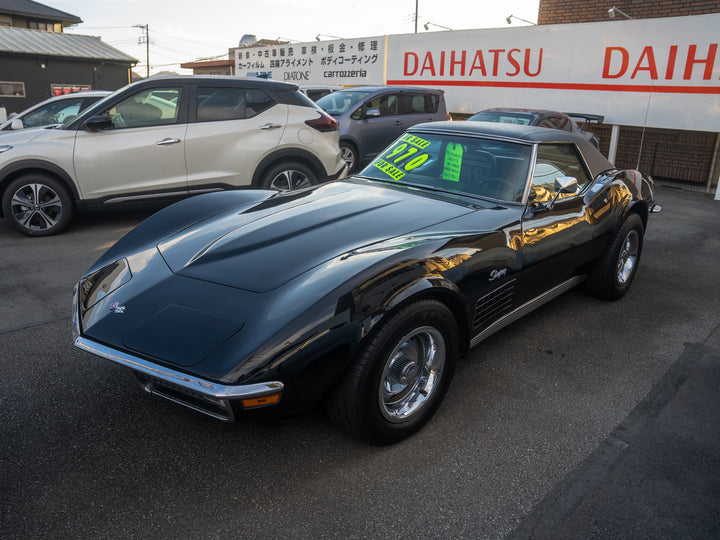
{"x": 400, "y": 376}
{"x": 37, "y": 205}
{"x": 287, "y": 176}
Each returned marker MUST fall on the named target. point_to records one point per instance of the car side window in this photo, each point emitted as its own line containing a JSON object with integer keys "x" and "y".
{"x": 151, "y": 107}
{"x": 564, "y": 123}
{"x": 386, "y": 104}
{"x": 227, "y": 103}
{"x": 553, "y": 161}
{"x": 413, "y": 103}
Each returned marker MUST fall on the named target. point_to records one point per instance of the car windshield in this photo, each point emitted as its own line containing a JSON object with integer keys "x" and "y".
{"x": 339, "y": 103}
{"x": 504, "y": 117}
{"x": 480, "y": 167}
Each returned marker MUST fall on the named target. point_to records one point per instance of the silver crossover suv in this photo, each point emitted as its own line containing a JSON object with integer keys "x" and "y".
{"x": 164, "y": 139}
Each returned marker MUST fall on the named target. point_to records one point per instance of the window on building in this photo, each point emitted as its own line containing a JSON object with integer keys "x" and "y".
{"x": 12, "y": 89}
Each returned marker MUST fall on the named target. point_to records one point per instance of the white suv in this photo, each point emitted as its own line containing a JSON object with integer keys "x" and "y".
{"x": 164, "y": 139}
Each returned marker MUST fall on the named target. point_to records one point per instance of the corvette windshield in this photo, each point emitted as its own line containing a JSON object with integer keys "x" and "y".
{"x": 473, "y": 166}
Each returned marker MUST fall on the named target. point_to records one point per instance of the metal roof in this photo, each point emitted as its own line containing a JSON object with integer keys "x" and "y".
{"x": 36, "y": 42}
{"x": 28, "y": 8}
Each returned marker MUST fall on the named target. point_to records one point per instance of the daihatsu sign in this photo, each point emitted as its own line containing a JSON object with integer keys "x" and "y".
{"x": 661, "y": 73}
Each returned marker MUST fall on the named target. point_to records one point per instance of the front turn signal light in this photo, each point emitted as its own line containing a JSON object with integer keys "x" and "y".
{"x": 261, "y": 401}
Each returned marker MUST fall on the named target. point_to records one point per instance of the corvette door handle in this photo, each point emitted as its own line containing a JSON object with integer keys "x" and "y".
{"x": 166, "y": 142}
{"x": 270, "y": 126}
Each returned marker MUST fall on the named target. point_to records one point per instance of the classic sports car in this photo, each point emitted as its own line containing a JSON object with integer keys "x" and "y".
{"x": 362, "y": 293}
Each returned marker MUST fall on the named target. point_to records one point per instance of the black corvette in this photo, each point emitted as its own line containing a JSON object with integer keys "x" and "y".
{"x": 362, "y": 293}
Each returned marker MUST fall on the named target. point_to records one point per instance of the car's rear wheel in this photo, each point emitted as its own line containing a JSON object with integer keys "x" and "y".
{"x": 616, "y": 270}
{"x": 349, "y": 155}
{"x": 400, "y": 375}
{"x": 37, "y": 205}
{"x": 287, "y": 176}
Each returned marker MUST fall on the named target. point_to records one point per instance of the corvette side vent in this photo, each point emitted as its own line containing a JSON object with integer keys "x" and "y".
{"x": 494, "y": 304}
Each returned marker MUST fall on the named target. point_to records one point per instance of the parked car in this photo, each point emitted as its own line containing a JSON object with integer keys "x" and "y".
{"x": 536, "y": 117}
{"x": 165, "y": 139}
{"x": 362, "y": 293}
{"x": 55, "y": 110}
{"x": 371, "y": 117}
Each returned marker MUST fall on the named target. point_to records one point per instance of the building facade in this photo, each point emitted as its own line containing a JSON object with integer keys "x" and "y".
{"x": 38, "y": 60}
{"x": 682, "y": 158}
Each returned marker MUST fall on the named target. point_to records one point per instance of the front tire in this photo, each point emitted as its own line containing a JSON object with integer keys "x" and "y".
{"x": 400, "y": 376}
{"x": 616, "y": 270}
{"x": 288, "y": 176}
{"x": 37, "y": 205}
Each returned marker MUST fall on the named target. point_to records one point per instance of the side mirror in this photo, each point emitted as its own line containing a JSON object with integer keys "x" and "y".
{"x": 563, "y": 184}
{"x": 98, "y": 123}
{"x": 17, "y": 123}
{"x": 372, "y": 113}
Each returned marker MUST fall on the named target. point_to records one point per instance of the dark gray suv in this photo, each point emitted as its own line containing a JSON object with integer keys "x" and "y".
{"x": 371, "y": 117}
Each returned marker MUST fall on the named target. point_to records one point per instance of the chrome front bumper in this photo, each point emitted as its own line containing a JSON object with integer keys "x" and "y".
{"x": 201, "y": 395}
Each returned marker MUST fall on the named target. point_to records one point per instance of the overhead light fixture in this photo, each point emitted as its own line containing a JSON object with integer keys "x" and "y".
{"x": 509, "y": 19}
{"x": 428, "y": 24}
{"x": 325, "y": 35}
{"x": 613, "y": 10}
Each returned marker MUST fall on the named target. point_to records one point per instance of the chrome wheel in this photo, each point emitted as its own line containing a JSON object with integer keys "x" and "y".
{"x": 627, "y": 259}
{"x": 348, "y": 155}
{"x": 411, "y": 373}
{"x": 290, "y": 179}
{"x": 36, "y": 207}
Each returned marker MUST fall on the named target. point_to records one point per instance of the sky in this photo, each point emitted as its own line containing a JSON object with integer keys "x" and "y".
{"x": 183, "y": 31}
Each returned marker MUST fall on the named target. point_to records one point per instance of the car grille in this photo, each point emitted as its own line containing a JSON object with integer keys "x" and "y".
{"x": 493, "y": 305}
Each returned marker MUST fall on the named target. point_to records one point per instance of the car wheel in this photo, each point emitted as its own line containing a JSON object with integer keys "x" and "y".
{"x": 349, "y": 155}
{"x": 287, "y": 176}
{"x": 37, "y": 205}
{"x": 616, "y": 269}
{"x": 400, "y": 376}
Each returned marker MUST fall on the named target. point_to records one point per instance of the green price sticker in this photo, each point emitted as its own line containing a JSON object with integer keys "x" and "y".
{"x": 453, "y": 162}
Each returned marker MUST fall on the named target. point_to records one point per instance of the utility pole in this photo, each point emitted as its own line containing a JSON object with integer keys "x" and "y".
{"x": 416, "y": 14}
{"x": 145, "y": 38}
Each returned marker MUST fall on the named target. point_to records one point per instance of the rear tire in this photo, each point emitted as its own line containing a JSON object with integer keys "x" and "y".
{"x": 399, "y": 376}
{"x": 37, "y": 205}
{"x": 616, "y": 269}
{"x": 288, "y": 176}
{"x": 349, "y": 155}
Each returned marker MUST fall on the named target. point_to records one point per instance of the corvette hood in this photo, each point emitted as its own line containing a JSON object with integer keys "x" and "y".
{"x": 267, "y": 245}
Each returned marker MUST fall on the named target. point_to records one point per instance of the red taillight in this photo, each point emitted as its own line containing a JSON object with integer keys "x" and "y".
{"x": 324, "y": 123}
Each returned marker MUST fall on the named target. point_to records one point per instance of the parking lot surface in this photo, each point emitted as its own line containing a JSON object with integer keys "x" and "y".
{"x": 586, "y": 419}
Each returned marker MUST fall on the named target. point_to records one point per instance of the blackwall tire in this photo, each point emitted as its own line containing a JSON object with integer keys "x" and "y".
{"x": 399, "y": 376}
{"x": 37, "y": 205}
{"x": 617, "y": 268}
{"x": 288, "y": 176}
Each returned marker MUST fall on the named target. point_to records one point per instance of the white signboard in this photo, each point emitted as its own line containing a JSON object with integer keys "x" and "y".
{"x": 661, "y": 73}
{"x": 337, "y": 62}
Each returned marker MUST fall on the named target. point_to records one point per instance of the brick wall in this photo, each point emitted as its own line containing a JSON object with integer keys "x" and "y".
{"x": 580, "y": 11}
{"x": 666, "y": 154}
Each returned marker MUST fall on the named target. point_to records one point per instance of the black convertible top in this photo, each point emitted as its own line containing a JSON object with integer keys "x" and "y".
{"x": 524, "y": 134}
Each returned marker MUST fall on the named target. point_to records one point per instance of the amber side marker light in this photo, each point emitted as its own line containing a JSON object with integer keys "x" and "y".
{"x": 261, "y": 401}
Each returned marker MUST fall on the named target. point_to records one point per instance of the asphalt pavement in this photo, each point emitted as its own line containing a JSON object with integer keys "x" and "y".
{"x": 586, "y": 419}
